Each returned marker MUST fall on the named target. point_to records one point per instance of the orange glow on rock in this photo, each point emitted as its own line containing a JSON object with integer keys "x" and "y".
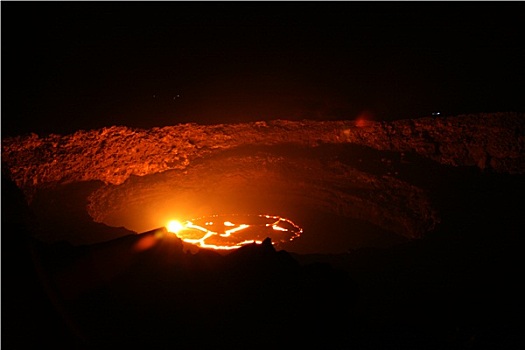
{"x": 226, "y": 232}
{"x": 365, "y": 118}
{"x": 145, "y": 243}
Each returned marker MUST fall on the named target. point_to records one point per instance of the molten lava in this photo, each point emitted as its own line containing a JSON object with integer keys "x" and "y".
{"x": 227, "y": 232}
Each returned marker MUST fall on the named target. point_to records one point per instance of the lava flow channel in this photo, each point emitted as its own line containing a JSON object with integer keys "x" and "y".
{"x": 227, "y": 232}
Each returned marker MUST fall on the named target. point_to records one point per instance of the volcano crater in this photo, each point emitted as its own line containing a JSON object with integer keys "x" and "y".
{"x": 347, "y": 186}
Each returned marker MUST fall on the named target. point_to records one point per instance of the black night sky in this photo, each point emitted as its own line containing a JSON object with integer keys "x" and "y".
{"x": 82, "y": 65}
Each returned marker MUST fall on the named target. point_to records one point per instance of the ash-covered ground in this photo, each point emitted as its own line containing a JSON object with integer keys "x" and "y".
{"x": 412, "y": 235}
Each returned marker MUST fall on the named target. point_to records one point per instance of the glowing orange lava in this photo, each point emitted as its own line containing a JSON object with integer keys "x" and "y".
{"x": 233, "y": 231}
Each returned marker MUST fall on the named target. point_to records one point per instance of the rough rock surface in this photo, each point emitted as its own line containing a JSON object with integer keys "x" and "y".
{"x": 112, "y": 155}
{"x": 270, "y": 180}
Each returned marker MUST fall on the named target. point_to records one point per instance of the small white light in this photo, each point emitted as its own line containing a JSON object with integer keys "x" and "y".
{"x": 174, "y": 226}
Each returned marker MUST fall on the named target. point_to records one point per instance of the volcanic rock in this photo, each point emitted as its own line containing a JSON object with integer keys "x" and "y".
{"x": 115, "y": 153}
{"x": 138, "y": 177}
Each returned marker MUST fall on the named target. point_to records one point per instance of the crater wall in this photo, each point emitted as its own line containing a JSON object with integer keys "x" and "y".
{"x": 113, "y": 154}
{"x": 348, "y": 169}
